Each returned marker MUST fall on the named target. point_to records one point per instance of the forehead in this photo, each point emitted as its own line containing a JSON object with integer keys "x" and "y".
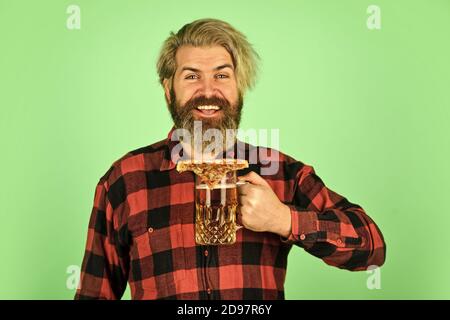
{"x": 203, "y": 58}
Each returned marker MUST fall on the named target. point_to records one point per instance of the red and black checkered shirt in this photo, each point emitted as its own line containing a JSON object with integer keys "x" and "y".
{"x": 141, "y": 232}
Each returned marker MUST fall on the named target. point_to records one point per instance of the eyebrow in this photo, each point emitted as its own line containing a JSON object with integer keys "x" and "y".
{"x": 223, "y": 66}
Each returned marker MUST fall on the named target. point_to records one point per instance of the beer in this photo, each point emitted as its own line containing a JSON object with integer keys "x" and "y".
{"x": 216, "y": 201}
{"x": 215, "y": 210}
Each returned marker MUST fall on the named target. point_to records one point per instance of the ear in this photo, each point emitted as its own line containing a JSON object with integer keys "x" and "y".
{"x": 166, "y": 86}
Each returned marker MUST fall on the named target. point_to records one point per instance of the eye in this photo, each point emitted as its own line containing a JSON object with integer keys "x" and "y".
{"x": 222, "y": 76}
{"x": 191, "y": 77}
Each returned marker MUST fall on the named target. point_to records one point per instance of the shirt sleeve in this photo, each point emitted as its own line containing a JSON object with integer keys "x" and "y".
{"x": 331, "y": 228}
{"x": 104, "y": 270}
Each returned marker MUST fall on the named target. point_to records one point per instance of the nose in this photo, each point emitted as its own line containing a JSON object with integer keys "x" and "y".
{"x": 208, "y": 87}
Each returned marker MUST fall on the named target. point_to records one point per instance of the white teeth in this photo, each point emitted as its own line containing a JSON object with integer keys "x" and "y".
{"x": 208, "y": 107}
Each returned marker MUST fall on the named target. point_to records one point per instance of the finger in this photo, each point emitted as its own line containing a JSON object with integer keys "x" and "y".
{"x": 243, "y": 199}
{"x": 243, "y": 189}
{"x": 242, "y": 213}
{"x": 254, "y": 178}
{"x": 250, "y": 192}
{"x": 239, "y": 216}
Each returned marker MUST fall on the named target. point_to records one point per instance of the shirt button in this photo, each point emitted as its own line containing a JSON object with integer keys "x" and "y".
{"x": 150, "y": 229}
{"x": 339, "y": 241}
{"x": 302, "y": 237}
{"x": 206, "y": 253}
{"x": 208, "y": 290}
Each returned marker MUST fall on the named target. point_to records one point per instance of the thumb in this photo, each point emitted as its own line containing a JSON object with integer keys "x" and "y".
{"x": 254, "y": 178}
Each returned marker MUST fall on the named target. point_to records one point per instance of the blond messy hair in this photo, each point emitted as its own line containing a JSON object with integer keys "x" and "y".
{"x": 208, "y": 32}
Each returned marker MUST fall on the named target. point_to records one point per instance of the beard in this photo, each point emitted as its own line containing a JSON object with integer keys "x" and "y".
{"x": 226, "y": 123}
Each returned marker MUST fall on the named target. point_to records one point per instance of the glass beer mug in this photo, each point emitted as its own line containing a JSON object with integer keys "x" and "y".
{"x": 216, "y": 211}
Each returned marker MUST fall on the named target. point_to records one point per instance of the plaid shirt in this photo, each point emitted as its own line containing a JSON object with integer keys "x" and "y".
{"x": 141, "y": 231}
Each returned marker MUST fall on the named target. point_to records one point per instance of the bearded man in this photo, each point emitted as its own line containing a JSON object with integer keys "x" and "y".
{"x": 141, "y": 229}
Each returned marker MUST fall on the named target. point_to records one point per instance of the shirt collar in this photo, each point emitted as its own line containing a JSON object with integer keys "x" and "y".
{"x": 167, "y": 163}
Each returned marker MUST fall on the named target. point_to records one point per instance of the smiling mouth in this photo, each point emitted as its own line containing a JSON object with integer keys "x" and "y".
{"x": 208, "y": 110}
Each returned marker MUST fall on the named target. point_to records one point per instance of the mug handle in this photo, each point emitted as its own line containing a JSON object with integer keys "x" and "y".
{"x": 239, "y": 183}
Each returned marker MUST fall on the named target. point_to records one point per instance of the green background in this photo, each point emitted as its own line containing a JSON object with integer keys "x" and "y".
{"x": 368, "y": 109}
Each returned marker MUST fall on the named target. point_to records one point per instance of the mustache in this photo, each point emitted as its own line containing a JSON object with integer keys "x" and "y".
{"x": 205, "y": 101}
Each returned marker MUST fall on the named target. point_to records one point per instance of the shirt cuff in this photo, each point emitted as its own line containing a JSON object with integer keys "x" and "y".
{"x": 303, "y": 227}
